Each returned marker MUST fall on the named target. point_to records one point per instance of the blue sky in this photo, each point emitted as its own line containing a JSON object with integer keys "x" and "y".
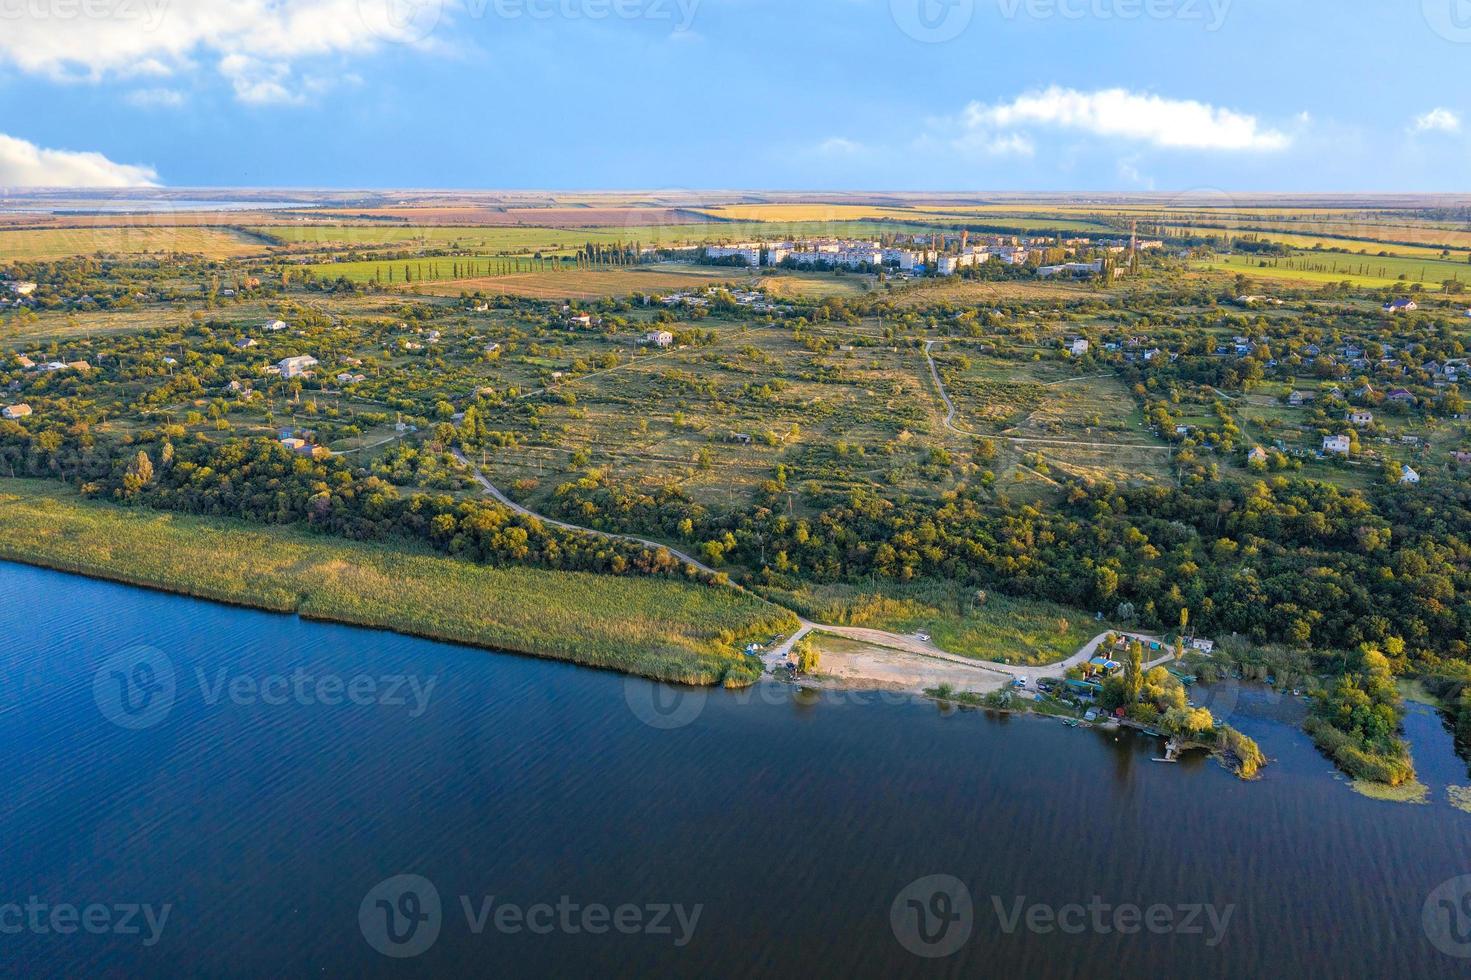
{"x": 1121, "y": 95}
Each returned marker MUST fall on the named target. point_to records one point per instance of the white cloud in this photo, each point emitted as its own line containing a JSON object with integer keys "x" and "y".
{"x": 24, "y": 164}
{"x": 839, "y": 146}
{"x": 150, "y": 98}
{"x": 1133, "y": 116}
{"x": 255, "y": 43}
{"x": 1438, "y": 121}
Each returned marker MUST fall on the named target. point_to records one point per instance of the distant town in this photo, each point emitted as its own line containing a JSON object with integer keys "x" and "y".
{"x": 935, "y": 255}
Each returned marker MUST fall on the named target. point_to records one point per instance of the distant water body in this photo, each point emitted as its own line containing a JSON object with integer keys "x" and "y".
{"x": 270, "y": 781}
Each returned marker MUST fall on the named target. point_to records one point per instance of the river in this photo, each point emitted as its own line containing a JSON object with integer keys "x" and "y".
{"x": 196, "y": 789}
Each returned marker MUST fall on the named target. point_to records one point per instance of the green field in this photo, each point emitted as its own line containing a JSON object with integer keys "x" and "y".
{"x": 651, "y": 627}
{"x": 1362, "y": 270}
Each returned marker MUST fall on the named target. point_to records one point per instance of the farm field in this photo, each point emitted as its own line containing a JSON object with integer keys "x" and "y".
{"x": 132, "y": 239}
{"x": 1331, "y": 267}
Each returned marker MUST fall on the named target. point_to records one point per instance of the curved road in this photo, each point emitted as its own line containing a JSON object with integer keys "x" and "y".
{"x": 778, "y": 654}
{"x": 495, "y": 492}
{"x": 944, "y": 395}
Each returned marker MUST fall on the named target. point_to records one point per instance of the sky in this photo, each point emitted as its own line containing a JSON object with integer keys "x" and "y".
{"x": 1168, "y": 96}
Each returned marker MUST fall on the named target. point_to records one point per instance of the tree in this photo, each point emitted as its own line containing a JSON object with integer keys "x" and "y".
{"x": 1134, "y": 672}
{"x": 138, "y": 476}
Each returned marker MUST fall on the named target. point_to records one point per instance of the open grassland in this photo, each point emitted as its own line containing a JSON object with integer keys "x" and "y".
{"x": 586, "y": 284}
{"x": 815, "y": 285}
{"x": 718, "y": 420}
{"x": 959, "y": 291}
{"x": 986, "y": 626}
{"x": 57, "y": 243}
{"x": 1324, "y": 267}
{"x": 657, "y": 628}
{"x": 61, "y": 325}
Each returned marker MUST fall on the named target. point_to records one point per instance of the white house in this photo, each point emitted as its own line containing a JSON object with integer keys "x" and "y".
{"x": 274, "y": 326}
{"x": 1407, "y": 476}
{"x": 1078, "y": 347}
{"x": 22, "y": 288}
{"x": 17, "y": 411}
{"x": 1361, "y": 417}
{"x": 294, "y": 367}
{"x": 1339, "y": 445}
{"x": 1203, "y": 645}
{"x": 659, "y": 338}
{"x": 1401, "y": 306}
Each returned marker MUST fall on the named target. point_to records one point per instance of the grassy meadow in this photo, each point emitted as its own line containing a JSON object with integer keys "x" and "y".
{"x": 658, "y": 628}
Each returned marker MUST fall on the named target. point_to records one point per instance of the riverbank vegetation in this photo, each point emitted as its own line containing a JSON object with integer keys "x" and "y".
{"x": 654, "y": 627}
{"x": 1356, "y": 722}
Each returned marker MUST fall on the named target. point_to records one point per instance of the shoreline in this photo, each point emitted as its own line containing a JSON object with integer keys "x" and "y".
{"x": 663, "y": 630}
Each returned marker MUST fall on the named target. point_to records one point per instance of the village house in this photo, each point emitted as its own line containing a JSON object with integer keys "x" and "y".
{"x": 22, "y": 288}
{"x": 1401, "y": 306}
{"x": 1408, "y": 477}
{"x": 1258, "y": 456}
{"x": 274, "y": 326}
{"x": 245, "y": 343}
{"x": 1078, "y": 347}
{"x": 1361, "y": 417}
{"x": 1337, "y": 445}
{"x": 1402, "y": 396}
{"x": 1203, "y": 645}
{"x": 17, "y": 411}
{"x": 295, "y": 367}
{"x": 659, "y": 338}
{"x": 1299, "y": 398}
{"x": 25, "y": 362}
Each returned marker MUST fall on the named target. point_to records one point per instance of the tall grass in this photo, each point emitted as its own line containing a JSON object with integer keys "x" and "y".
{"x": 667, "y": 630}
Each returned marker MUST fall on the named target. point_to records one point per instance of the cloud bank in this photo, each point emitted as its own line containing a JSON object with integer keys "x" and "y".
{"x": 24, "y": 164}
{"x": 1135, "y": 117}
{"x": 254, "y": 44}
